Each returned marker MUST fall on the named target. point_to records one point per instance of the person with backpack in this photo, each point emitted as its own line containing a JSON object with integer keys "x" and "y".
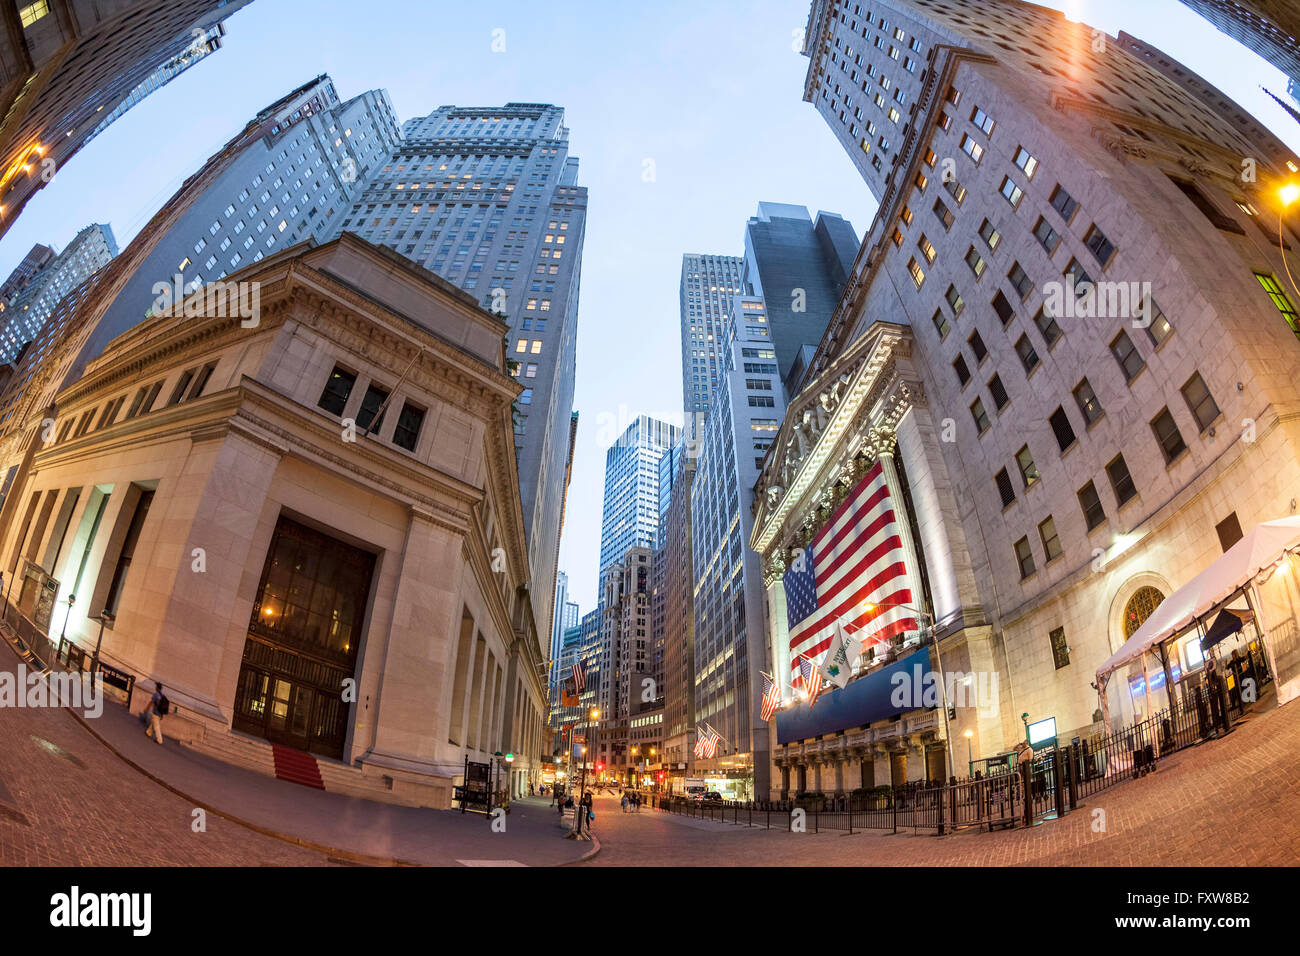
{"x": 159, "y": 705}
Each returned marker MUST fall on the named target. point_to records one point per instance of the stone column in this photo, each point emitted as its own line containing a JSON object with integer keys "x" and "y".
{"x": 839, "y": 776}
{"x": 883, "y": 442}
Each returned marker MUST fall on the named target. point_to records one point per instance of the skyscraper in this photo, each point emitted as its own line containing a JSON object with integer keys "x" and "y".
{"x": 1005, "y": 362}
{"x": 798, "y": 268}
{"x": 631, "y": 509}
{"x": 23, "y": 315}
{"x": 726, "y": 579}
{"x": 678, "y": 611}
{"x": 707, "y": 284}
{"x": 487, "y": 198}
{"x": 62, "y": 73}
{"x": 1269, "y": 27}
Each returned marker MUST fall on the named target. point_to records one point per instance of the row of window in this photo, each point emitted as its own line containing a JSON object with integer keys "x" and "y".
{"x": 190, "y": 385}
{"x": 370, "y": 417}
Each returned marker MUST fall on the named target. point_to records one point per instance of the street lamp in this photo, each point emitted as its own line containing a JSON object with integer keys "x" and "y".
{"x": 72, "y": 599}
{"x": 1288, "y": 194}
{"x": 938, "y": 658}
{"x": 970, "y": 757}
{"x": 105, "y": 617}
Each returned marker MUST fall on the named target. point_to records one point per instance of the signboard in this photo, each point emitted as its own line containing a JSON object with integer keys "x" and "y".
{"x": 1042, "y": 732}
{"x": 476, "y": 793}
{"x": 36, "y": 597}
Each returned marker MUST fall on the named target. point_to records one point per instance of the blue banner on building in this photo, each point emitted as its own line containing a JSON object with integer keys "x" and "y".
{"x": 862, "y": 701}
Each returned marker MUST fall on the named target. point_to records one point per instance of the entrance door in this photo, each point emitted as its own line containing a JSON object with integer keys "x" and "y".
{"x": 935, "y": 763}
{"x": 302, "y": 641}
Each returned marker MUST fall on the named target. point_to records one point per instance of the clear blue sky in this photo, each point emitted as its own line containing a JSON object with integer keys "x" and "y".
{"x": 710, "y": 91}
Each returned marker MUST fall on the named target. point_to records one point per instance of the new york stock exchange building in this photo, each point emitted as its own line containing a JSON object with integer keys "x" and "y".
{"x": 877, "y": 529}
{"x": 856, "y": 525}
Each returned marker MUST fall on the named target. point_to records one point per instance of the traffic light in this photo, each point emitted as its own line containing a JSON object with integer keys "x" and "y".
{"x": 600, "y": 767}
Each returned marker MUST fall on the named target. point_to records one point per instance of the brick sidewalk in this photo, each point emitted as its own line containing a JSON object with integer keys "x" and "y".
{"x": 79, "y": 803}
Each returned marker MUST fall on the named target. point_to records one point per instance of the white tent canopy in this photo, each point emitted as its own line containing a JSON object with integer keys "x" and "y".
{"x": 1265, "y": 545}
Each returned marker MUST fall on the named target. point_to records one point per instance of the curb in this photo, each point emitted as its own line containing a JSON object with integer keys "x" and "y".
{"x": 331, "y": 853}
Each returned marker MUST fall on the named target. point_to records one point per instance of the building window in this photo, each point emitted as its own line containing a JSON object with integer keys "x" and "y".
{"x": 1087, "y": 402}
{"x": 1121, "y": 482}
{"x": 1047, "y": 237}
{"x": 1199, "y": 401}
{"x": 982, "y": 120}
{"x": 407, "y": 431}
{"x": 1047, "y": 326}
{"x": 1019, "y": 280}
{"x": 1026, "y": 162}
{"x": 1024, "y": 558}
{"x": 1060, "y": 653}
{"x": 335, "y": 396}
{"x": 940, "y": 323}
{"x": 1063, "y": 203}
{"x": 1168, "y": 435}
{"x": 1062, "y": 428}
{"x": 990, "y": 235}
{"x": 954, "y": 300}
{"x": 1028, "y": 470}
{"x": 1003, "y": 308}
{"x": 1280, "y": 299}
{"x": 927, "y": 249}
{"x": 1005, "y": 490}
{"x": 1093, "y": 513}
{"x": 980, "y": 416}
{"x": 1028, "y": 357}
{"x": 944, "y": 214}
{"x": 972, "y": 149}
{"x": 917, "y": 273}
{"x": 975, "y": 262}
{"x": 1159, "y": 329}
{"x": 977, "y": 347}
{"x": 1126, "y": 354}
{"x": 1051, "y": 543}
{"x": 1101, "y": 247}
{"x": 1011, "y": 192}
{"x": 374, "y": 399}
{"x": 963, "y": 372}
{"x": 1207, "y": 208}
{"x": 999, "y": 393}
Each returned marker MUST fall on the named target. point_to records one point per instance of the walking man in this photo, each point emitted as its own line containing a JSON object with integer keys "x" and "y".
{"x": 158, "y": 707}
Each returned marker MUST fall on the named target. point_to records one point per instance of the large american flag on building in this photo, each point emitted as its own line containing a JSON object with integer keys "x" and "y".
{"x": 855, "y": 560}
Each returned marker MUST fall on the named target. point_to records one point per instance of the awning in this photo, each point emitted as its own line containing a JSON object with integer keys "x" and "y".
{"x": 1263, "y": 548}
{"x": 1228, "y": 622}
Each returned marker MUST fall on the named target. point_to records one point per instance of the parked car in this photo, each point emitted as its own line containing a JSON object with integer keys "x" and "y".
{"x": 712, "y": 795}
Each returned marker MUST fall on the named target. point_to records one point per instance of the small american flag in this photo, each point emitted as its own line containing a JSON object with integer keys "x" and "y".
{"x": 706, "y": 742}
{"x": 771, "y": 697}
{"x": 811, "y": 676}
{"x": 579, "y": 678}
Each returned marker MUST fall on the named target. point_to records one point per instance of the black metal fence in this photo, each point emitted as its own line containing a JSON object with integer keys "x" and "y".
{"x": 1056, "y": 782}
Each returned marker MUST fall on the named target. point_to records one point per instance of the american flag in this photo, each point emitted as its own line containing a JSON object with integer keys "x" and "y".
{"x": 811, "y": 677}
{"x": 579, "y": 678}
{"x": 706, "y": 742}
{"x": 855, "y": 560}
{"x": 771, "y": 697}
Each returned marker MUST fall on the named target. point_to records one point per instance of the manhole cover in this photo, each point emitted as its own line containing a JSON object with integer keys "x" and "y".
{"x": 58, "y": 751}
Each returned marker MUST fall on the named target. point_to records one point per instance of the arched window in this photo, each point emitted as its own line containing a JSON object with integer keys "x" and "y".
{"x": 1140, "y": 607}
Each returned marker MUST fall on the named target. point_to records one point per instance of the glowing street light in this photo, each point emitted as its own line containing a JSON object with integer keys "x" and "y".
{"x": 1289, "y": 193}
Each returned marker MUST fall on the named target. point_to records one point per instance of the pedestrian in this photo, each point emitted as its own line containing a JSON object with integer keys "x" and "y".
{"x": 158, "y": 707}
{"x": 623, "y": 803}
{"x": 588, "y": 815}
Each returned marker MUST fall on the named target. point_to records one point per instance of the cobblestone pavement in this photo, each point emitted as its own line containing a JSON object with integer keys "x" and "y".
{"x": 66, "y": 800}
{"x": 1228, "y": 802}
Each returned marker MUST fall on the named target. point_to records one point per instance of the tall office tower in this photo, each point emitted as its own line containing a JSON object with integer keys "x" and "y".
{"x": 1269, "y": 27}
{"x": 675, "y": 553}
{"x": 708, "y": 282}
{"x": 631, "y": 508}
{"x": 487, "y": 197}
{"x": 203, "y": 44}
{"x": 727, "y": 575}
{"x": 798, "y": 268}
{"x": 557, "y": 627}
{"x": 88, "y": 252}
{"x": 626, "y": 658}
{"x": 35, "y": 260}
{"x": 63, "y": 67}
{"x": 286, "y": 177}
{"x": 1061, "y": 229}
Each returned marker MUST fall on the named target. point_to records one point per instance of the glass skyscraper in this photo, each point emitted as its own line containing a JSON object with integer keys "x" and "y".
{"x": 631, "y": 511}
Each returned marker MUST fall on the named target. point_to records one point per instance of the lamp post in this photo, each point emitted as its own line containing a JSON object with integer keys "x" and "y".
{"x": 970, "y": 757}
{"x": 72, "y": 599}
{"x": 593, "y": 714}
{"x": 938, "y": 658}
{"x": 105, "y": 616}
